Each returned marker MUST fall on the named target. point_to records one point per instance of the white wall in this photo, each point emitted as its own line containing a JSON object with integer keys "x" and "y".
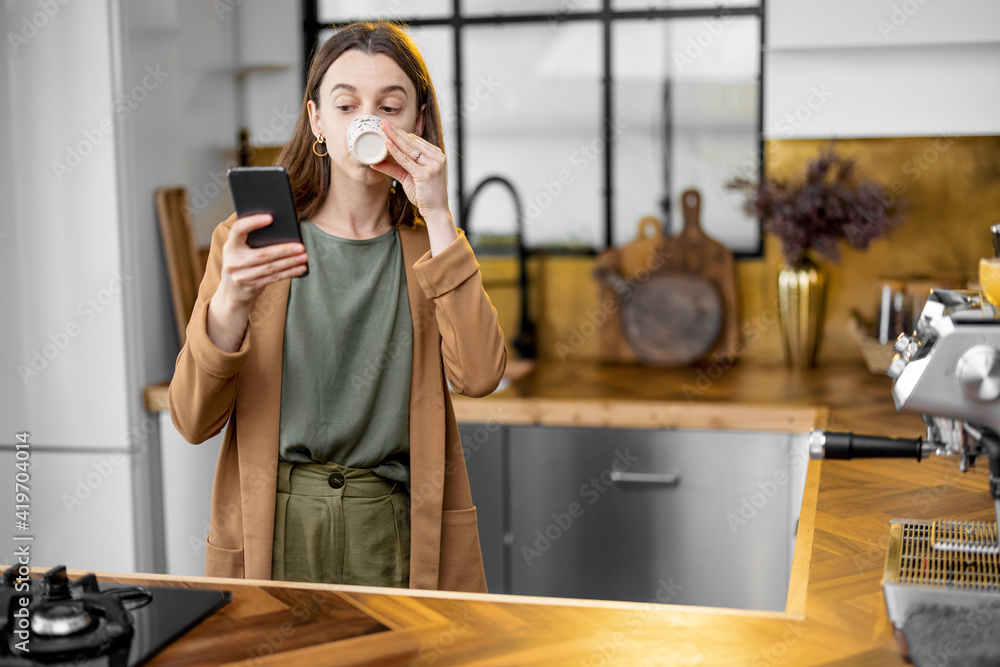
{"x": 63, "y": 342}
{"x": 11, "y": 397}
{"x": 270, "y": 61}
{"x": 64, "y": 366}
{"x": 881, "y": 68}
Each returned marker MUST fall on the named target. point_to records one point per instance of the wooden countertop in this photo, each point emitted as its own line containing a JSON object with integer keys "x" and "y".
{"x": 835, "y": 612}
{"x": 739, "y": 396}
{"x": 714, "y": 396}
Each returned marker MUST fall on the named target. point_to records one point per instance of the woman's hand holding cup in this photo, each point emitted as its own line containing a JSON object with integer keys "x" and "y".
{"x": 420, "y": 167}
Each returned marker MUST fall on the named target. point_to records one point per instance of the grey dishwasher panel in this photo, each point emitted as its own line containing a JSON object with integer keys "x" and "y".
{"x": 721, "y": 536}
{"x": 484, "y": 454}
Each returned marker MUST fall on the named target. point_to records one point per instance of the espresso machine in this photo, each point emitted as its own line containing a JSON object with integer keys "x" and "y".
{"x": 948, "y": 370}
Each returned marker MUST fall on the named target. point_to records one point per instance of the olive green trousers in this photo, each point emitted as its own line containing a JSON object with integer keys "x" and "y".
{"x": 339, "y": 525}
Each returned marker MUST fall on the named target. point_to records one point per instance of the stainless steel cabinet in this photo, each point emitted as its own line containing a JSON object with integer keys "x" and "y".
{"x": 679, "y": 516}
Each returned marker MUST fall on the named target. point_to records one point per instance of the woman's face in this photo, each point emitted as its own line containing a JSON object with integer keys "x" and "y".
{"x": 357, "y": 84}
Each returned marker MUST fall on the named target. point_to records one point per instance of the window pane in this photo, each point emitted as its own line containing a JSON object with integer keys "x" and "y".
{"x": 680, "y": 4}
{"x": 533, "y": 115}
{"x": 338, "y": 11}
{"x": 552, "y": 8}
{"x": 685, "y": 96}
{"x": 437, "y": 45}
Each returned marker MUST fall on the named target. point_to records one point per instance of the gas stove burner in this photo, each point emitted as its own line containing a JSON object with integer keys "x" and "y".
{"x": 87, "y": 623}
{"x": 61, "y": 619}
{"x": 133, "y": 597}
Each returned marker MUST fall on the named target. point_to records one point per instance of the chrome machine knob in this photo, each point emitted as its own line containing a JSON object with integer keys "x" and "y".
{"x": 978, "y": 372}
{"x": 896, "y": 367}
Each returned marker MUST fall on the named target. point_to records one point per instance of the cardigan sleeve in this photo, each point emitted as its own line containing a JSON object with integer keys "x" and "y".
{"x": 203, "y": 390}
{"x": 472, "y": 344}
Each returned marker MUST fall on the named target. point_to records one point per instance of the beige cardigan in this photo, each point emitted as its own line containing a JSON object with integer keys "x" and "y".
{"x": 455, "y": 333}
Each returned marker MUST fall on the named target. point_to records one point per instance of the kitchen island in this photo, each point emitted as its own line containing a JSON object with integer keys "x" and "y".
{"x": 835, "y": 612}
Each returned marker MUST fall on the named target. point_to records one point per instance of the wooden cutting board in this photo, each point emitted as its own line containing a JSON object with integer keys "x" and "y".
{"x": 697, "y": 253}
{"x": 651, "y": 258}
{"x": 668, "y": 318}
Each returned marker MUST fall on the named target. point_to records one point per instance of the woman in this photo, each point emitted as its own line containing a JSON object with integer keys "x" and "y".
{"x": 341, "y": 461}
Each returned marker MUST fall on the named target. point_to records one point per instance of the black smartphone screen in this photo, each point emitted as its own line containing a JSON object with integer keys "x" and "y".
{"x": 265, "y": 190}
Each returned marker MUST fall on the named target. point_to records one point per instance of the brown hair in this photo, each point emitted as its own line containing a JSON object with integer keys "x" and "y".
{"x": 310, "y": 175}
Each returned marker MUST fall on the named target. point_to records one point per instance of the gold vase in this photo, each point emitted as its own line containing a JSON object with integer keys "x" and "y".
{"x": 801, "y": 304}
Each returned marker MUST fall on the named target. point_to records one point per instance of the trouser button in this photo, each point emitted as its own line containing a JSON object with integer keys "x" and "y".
{"x": 336, "y": 480}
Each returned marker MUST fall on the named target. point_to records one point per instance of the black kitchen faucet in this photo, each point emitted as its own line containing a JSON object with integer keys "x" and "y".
{"x": 524, "y": 343}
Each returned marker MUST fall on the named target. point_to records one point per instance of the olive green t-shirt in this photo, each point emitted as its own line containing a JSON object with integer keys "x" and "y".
{"x": 348, "y": 350}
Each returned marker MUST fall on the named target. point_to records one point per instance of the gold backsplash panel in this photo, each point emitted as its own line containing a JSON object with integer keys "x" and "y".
{"x": 951, "y": 186}
{"x": 951, "y": 189}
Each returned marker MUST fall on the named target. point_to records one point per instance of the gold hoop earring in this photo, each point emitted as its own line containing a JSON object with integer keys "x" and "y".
{"x": 320, "y": 140}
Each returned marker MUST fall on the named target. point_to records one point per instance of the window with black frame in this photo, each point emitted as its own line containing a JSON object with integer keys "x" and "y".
{"x": 597, "y": 112}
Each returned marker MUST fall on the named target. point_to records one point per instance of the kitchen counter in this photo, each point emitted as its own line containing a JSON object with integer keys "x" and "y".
{"x": 835, "y": 610}
{"x": 714, "y": 396}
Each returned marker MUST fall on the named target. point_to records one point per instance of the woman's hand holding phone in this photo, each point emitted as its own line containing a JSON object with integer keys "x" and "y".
{"x": 246, "y": 272}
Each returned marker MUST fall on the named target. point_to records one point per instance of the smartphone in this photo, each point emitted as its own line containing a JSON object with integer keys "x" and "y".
{"x": 266, "y": 190}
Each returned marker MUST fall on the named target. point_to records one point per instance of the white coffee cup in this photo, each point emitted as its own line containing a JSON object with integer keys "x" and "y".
{"x": 366, "y": 141}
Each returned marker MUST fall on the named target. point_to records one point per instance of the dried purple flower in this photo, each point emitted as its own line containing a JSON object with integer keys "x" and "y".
{"x": 829, "y": 205}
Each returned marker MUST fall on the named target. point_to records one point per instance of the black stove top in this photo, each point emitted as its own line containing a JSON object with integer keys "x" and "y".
{"x": 54, "y": 621}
